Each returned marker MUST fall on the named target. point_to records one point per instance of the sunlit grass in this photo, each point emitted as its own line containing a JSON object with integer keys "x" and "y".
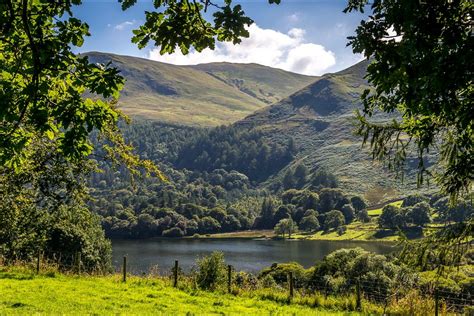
{"x": 378, "y": 211}
{"x": 25, "y": 293}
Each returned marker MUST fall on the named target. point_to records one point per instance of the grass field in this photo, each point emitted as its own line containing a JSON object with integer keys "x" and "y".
{"x": 53, "y": 293}
{"x": 378, "y": 211}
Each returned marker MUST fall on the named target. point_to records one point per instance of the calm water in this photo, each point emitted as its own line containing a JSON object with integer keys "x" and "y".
{"x": 243, "y": 254}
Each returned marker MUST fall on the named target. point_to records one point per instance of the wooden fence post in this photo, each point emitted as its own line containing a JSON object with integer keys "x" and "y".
{"x": 358, "y": 298}
{"x": 78, "y": 259}
{"x": 229, "y": 278}
{"x": 124, "y": 268}
{"x": 38, "y": 262}
{"x": 290, "y": 281}
{"x": 175, "y": 272}
{"x": 436, "y": 302}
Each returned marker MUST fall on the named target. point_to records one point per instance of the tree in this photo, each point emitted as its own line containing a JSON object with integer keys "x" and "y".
{"x": 209, "y": 225}
{"x": 363, "y": 216}
{"x": 282, "y": 212}
{"x": 421, "y": 67}
{"x": 286, "y": 226}
{"x": 358, "y": 202}
{"x": 329, "y": 199}
{"x": 413, "y": 199}
{"x": 348, "y": 212}
{"x": 323, "y": 179}
{"x": 230, "y": 223}
{"x": 265, "y": 219}
{"x": 43, "y": 88}
{"x": 333, "y": 219}
{"x": 289, "y": 180}
{"x": 300, "y": 175}
{"x": 392, "y": 217}
{"x": 419, "y": 214}
{"x": 309, "y": 223}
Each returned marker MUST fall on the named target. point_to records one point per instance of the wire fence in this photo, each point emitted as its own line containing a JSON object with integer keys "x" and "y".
{"x": 378, "y": 292}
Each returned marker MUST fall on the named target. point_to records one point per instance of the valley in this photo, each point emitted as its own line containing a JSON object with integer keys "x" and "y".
{"x": 291, "y": 159}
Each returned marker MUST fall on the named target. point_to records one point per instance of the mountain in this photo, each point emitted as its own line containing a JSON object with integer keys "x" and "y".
{"x": 203, "y": 95}
{"x": 319, "y": 118}
{"x": 267, "y": 84}
{"x": 312, "y": 126}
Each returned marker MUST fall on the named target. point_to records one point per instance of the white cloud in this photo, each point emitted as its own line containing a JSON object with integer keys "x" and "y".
{"x": 295, "y": 17}
{"x": 264, "y": 46}
{"x": 122, "y": 26}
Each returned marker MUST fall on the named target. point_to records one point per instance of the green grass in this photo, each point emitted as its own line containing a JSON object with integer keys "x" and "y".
{"x": 378, "y": 211}
{"x": 24, "y": 293}
{"x": 360, "y": 231}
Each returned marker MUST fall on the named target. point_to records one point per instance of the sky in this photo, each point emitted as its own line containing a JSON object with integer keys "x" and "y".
{"x": 303, "y": 36}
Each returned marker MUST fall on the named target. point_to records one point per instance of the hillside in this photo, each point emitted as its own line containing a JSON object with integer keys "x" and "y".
{"x": 205, "y": 95}
{"x": 311, "y": 127}
{"x": 267, "y": 84}
{"x": 320, "y": 120}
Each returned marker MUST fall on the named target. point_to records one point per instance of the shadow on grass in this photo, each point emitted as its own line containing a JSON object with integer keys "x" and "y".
{"x": 18, "y": 305}
{"x": 16, "y": 276}
{"x": 410, "y": 233}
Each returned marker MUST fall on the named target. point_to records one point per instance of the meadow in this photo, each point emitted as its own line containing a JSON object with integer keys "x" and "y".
{"x": 55, "y": 293}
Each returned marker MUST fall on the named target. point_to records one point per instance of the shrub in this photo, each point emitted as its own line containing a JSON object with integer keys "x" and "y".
{"x": 268, "y": 281}
{"x": 280, "y": 271}
{"x": 211, "y": 271}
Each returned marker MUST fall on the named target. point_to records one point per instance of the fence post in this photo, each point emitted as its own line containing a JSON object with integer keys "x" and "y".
{"x": 358, "y": 298}
{"x": 436, "y": 302}
{"x": 124, "y": 268}
{"x": 38, "y": 262}
{"x": 229, "y": 278}
{"x": 78, "y": 259}
{"x": 290, "y": 281}
{"x": 175, "y": 272}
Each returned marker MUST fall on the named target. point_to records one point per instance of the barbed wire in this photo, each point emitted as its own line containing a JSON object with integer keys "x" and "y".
{"x": 376, "y": 291}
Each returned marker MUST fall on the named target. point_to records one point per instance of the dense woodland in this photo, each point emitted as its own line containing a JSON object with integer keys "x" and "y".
{"x": 214, "y": 187}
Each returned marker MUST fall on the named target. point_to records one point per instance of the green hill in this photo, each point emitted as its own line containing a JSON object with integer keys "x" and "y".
{"x": 205, "y": 95}
{"x": 320, "y": 120}
{"x": 267, "y": 84}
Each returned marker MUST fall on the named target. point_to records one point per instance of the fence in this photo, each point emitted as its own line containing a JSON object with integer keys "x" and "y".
{"x": 372, "y": 291}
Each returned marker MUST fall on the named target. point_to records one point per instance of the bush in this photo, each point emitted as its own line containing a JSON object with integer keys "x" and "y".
{"x": 246, "y": 280}
{"x": 211, "y": 271}
{"x": 268, "y": 281}
{"x": 280, "y": 271}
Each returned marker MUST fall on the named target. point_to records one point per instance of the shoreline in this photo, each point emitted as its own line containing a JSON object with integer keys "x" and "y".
{"x": 264, "y": 235}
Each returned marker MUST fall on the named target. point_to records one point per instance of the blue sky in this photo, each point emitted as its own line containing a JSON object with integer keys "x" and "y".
{"x": 304, "y": 36}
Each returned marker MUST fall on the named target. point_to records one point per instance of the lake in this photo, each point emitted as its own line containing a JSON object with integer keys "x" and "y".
{"x": 244, "y": 254}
